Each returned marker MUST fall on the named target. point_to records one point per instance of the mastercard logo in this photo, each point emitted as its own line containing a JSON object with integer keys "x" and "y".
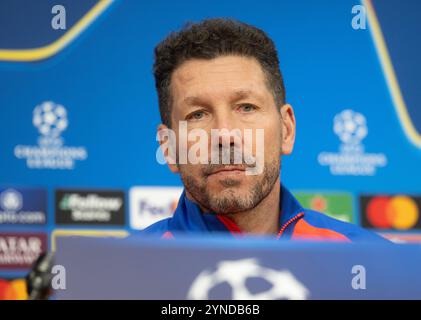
{"x": 13, "y": 290}
{"x": 397, "y": 212}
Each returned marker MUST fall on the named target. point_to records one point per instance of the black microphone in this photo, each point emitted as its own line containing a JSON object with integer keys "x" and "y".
{"x": 38, "y": 281}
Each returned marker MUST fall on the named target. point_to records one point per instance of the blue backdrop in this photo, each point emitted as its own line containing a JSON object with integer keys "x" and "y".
{"x": 353, "y": 87}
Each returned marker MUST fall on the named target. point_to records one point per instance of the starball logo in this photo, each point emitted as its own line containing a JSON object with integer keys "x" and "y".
{"x": 235, "y": 273}
{"x": 352, "y": 159}
{"x": 51, "y": 120}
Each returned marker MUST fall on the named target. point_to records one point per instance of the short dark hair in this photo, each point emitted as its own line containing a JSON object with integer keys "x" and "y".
{"x": 209, "y": 39}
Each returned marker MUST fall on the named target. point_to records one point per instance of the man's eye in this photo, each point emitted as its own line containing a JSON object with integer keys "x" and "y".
{"x": 196, "y": 115}
{"x": 247, "y": 108}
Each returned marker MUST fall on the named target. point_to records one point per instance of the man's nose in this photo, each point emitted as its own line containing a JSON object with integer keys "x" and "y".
{"x": 228, "y": 126}
{"x": 227, "y": 135}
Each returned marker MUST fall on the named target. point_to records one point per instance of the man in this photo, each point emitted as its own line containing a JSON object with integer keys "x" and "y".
{"x": 224, "y": 74}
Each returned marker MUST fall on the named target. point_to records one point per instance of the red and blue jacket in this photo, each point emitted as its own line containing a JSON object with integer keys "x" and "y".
{"x": 296, "y": 223}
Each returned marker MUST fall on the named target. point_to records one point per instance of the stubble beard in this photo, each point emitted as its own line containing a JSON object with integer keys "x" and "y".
{"x": 228, "y": 201}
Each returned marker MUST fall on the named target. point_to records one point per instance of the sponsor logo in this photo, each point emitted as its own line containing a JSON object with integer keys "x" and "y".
{"x": 23, "y": 206}
{"x": 90, "y": 207}
{"x": 335, "y": 204}
{"x": 397, "y": 212}
{"x": 237, "y": 275}
{"x": 151, "y": 204}
{"x": 352, "y": 159}
{"x": 50, "y": 119}
{"x": 13, "y": 289}
{"x": 20, "y": 250}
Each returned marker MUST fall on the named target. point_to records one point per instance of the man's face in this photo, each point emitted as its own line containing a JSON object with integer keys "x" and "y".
{"x": 229, "y": 92}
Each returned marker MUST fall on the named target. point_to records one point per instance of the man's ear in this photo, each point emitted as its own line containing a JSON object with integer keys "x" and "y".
{"x": 168, "y": 144}
{"x": 288, "y": 129}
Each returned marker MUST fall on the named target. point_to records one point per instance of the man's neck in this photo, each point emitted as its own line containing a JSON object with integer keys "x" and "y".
{"x": 262, "y": 219}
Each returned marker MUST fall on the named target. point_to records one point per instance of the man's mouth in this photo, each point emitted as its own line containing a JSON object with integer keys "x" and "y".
{"x": 227, "y": 171}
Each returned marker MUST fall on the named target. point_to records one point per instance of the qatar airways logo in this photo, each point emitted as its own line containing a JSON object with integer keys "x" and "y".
{"x": 20, "y": 250}
{"x": 222, "y": 150}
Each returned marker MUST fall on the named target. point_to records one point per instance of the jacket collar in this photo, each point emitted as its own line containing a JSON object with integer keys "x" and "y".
{"x": 289, "y": 206}
{"x": 189, "y": 218}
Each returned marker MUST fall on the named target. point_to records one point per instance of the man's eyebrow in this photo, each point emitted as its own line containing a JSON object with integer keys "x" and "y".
{"x": 237, "y": 95}
{"x": 247, "y": 94}
{"x": 193, "y": 100}
{"x": 241, "y": 94}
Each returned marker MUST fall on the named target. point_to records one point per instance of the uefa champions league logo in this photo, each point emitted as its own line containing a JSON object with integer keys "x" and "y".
{"x": 350, "y": 126}
{"x": 352, "y": 159}
{"x": 51, "y": 120}
{"x": 236, "y": 273}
